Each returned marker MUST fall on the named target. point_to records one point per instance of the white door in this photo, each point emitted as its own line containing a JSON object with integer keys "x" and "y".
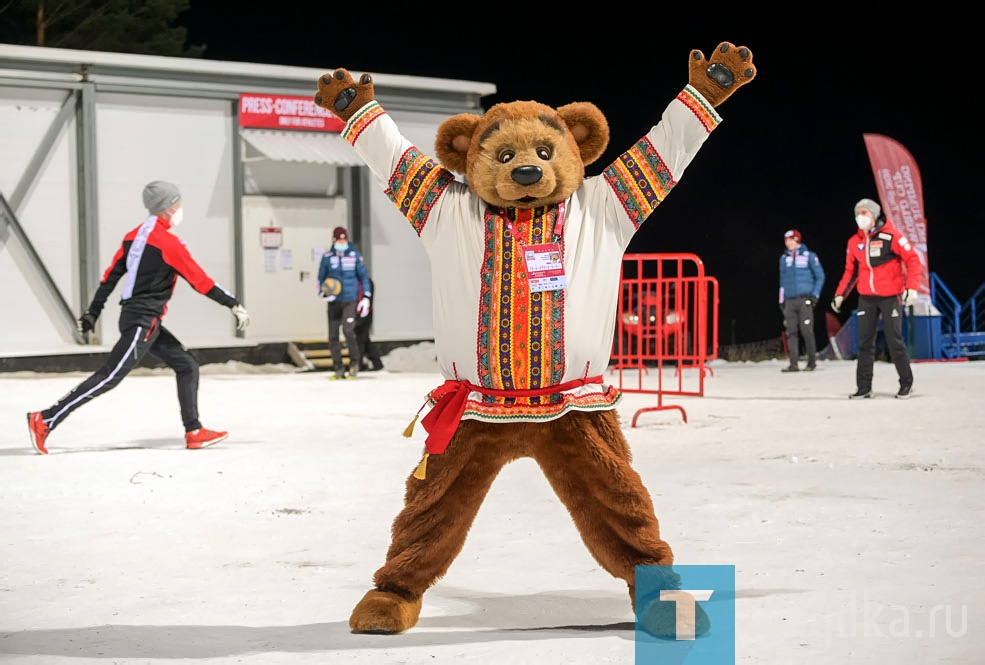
{"x": 280, "y": 283}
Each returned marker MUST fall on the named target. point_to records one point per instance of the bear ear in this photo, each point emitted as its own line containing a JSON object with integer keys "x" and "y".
{"x": 453, "y": 141}
{"x": 588, "y": 126}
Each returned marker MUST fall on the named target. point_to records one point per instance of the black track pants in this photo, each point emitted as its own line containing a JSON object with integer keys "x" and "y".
{"x": 870, "y": 308}
{"x": 798, "y": 317}
{"x": 135, "y": 342}
{"x": 343, "y": 314}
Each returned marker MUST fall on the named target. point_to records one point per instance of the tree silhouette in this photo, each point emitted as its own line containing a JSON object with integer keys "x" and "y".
{"x": 121, "y": 26}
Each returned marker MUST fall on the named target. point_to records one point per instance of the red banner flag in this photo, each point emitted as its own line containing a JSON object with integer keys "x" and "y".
{"x": 901, "y": 195}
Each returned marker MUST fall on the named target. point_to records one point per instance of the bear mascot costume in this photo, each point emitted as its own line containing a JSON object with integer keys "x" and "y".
{"x": 526, "y": 255}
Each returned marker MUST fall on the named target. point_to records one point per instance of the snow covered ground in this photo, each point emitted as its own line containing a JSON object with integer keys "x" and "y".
{"x": 856, "y": 527}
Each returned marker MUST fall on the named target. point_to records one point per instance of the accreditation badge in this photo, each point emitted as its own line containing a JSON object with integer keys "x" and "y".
{"x": 545, "y": 272}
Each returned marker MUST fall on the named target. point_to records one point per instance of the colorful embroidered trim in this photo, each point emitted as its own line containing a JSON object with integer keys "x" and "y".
{"x": 363, "y": 118}
{"x": 512, "y": 412}
{"x": 640, "y": 179}
{"x": 415, "y": 186}
{"x": 703, "y": 111}
{"x": 521, "y": 334}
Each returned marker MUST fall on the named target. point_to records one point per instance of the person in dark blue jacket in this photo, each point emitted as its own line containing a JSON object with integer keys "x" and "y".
{"x": 801, "y": 281}
{"x": 345, "y": 264}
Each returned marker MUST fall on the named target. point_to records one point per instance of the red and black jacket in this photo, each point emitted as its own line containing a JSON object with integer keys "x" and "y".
{"x": 875, "y": 262}
{"x": 151, "y": 258}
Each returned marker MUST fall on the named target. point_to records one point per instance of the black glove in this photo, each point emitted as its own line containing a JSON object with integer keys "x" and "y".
{"x": 811, "y": 300}
{"x": 87, "y": 323}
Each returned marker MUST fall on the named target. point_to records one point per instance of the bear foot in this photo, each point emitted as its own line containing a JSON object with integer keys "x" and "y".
{"x": 660, "y": 619}
{"x": 383, "y": 612}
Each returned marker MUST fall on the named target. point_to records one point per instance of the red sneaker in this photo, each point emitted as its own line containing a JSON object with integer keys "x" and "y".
{"x": 39, "y": 431}
{"x": 203, "y": 438}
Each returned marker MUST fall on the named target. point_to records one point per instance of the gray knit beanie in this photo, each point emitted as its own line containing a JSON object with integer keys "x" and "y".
{"x": 160, "y": 195}
{"x": 869, "y": 205}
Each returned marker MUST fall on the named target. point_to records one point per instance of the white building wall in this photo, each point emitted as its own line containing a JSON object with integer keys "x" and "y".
{"x": 173, "y": 119}
{"x": 186, "y": 141}
{"x": 281, "y": 283}
{"x": 47, "y": 215}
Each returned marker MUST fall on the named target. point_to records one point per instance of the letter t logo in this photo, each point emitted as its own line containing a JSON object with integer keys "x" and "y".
{"x": 684, "y": 600}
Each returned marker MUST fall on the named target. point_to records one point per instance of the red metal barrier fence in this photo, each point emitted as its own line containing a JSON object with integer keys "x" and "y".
{"x": 668, "y": 317}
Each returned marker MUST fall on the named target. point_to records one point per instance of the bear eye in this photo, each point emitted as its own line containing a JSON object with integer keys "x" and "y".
{"x": 544, "y": 153}
{"x": 506, "y": 156}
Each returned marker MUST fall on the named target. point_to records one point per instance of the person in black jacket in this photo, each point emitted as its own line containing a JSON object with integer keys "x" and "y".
{"x": 368, "y": 353}
{"x": 151, "y": 259}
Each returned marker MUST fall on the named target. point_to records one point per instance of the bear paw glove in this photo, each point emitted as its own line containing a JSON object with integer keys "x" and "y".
{"x": 836, "y": 303}
{"x": 909, "y": 297}
{"x": 342, "y": 95}
{"x": 363, "y": 307}
{"x": 718, "y": 77}
{"x": 242, "y": 318}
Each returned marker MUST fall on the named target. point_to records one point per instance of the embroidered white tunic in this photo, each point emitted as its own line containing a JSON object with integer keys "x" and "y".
{"x": 490, "y": 329}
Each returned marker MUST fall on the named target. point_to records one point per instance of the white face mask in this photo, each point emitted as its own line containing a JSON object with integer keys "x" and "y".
{"x": 341, "y": 246}
{"x": 177, "y": 216}
{"x": 863, "y": 222}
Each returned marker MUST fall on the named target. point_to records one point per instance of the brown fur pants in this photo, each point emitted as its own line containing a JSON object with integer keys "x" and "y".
{"x": 586, "y": 459}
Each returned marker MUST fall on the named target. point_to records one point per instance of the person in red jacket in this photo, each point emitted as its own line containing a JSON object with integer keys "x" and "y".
{"x": 149, "y": 261}
{"x": 882, "y": 264}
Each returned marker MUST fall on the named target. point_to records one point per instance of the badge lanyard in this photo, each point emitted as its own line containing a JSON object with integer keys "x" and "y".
{"x": 545, "y": 271}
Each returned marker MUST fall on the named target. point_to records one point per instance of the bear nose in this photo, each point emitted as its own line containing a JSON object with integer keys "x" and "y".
{"x": 527, "y": 175}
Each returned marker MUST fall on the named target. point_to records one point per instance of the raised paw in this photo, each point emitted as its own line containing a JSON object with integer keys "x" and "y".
{"x": 729, "y": 68}
{"x": 339, "y": 93}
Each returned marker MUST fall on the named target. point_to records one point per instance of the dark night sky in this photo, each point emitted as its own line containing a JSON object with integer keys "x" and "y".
{"x": 789, "y": 153}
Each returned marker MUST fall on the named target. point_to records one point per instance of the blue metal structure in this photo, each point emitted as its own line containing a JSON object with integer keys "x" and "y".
{"x": 962, "y": 326}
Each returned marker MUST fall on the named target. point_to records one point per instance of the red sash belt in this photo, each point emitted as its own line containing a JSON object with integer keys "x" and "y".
{"x": 450, "y": 399}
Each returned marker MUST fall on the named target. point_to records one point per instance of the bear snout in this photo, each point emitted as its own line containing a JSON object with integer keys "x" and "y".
{"x": 527, "y": 175}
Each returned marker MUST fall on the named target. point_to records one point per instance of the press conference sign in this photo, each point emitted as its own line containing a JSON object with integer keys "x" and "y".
{"x": 286, "y": 112}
